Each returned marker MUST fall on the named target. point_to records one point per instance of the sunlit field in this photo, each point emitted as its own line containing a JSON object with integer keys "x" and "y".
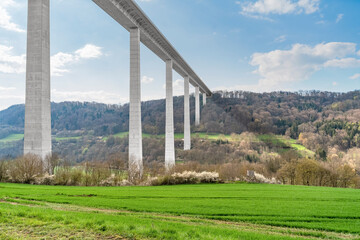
{"x": 219, "y": 211}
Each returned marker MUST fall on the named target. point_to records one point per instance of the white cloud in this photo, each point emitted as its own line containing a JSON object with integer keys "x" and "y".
{"x": 87, "y": 96}
{"x": 6, "y": 89}
{"x": 5, "y": 18}
{"x": 89, "y": 51}
{"x": 308, "y": 6}
{"x": 355, "y": 76}
{"x": 259, "y": 87}
{"x": 260, "y": 8}
{"x": 343, "y": 63}
{"x": 339, "y": 17}
{"x": 280, "y": 39}
{"x": 301, "y": 61}
{"x": 10, "y": 63}
{"x": 147, "y": 80}
{"x": 10, "y": 96}
{"x": 178, "y": 87}
{"x": 61, "y": 60}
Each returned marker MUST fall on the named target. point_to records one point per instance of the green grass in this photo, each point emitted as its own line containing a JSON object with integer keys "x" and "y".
{"x": 59, "y": 139}
{"x": 18, "y": 137}
{"x": 227, "y": 211}
{"x": 176, "y": 135}
{"x": 284, "y": 142}
{"x": 12, "y": 138}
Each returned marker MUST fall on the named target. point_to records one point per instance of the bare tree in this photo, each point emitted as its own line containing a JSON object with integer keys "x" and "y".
{"x": 25, "y": 169}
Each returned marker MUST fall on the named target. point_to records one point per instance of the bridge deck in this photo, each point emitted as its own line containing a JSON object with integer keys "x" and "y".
{"x": 129, "y": 15}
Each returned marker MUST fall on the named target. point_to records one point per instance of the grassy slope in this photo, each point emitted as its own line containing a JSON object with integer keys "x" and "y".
{"x": 281, "y": 142}
{"x": 67, "y": 138}
{"x": 12, "y": 138}
{"x": 229, "y": 211}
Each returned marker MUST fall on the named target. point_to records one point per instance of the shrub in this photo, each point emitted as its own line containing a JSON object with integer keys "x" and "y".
{"x": 187, "y": 177}
{"x": 62, "y": 176}
{"x": 3, "y": 170}
{"x": 25, "y": 169}
{"x": 230, "y": 172}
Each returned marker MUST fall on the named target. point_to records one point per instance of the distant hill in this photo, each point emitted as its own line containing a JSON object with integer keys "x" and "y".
{"x": 226, "y": 112}
{"x": 325, "y": 116}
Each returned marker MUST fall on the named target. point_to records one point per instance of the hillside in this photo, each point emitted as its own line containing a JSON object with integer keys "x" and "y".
{"x": 319, "y": 123}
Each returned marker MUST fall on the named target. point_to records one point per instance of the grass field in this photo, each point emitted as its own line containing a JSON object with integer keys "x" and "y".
{"x": 219, "y": 211}
{"x": 283, "y": 142}
{"x": 176, "y": 135}
{"x": 59, "y": 139}
{"x": 18, "y": 137}
{"x": 12, "y": 138}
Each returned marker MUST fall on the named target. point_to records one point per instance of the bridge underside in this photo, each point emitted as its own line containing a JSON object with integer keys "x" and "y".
{"x": 37, "y": 138}
{"x": 128, "y": 14}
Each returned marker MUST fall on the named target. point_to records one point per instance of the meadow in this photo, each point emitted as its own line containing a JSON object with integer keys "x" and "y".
{"x": 218, "y": 211}
{"x": 12, "y": 138}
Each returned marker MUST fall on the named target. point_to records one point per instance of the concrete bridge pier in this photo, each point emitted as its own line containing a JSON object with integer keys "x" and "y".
{"x": 135, "y": 131}
{"x": 169, "y": 131}
{"x": 37, "y": 139}
{"x": 187, "y": 128}
{"x": 197, "y": 106}
{"x": 204, "y": 99}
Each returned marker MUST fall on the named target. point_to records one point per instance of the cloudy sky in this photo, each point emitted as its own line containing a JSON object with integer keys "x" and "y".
{"x": 256, "y": 45}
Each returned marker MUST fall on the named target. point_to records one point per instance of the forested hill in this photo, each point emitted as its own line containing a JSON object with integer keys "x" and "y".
{"x": 226, "y": 112}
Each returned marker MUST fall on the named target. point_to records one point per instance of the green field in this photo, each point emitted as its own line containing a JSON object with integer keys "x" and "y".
{"x": 59, "y": 139}
{"x": 219, "y": 211}
{"x": 283, "y": 142}
{"x": 12, "y": 138}
{"x": 176, "y": 135}
{"x": 18, "y": 137}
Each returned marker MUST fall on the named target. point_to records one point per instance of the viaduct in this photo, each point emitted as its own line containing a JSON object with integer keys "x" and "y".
{"x": 127, "y": 13}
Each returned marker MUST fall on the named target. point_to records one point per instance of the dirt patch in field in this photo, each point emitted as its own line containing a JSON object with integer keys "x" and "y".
{"x": 5, "y": 201}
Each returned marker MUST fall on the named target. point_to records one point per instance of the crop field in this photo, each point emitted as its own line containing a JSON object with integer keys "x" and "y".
{"x": 219, "y": 211}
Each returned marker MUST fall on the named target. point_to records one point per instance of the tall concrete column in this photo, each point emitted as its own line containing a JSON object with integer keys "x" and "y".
{"x": 135, "y": 131}
{"x": 37, "y": 139}
{"x": 169, "y": 132}
{"x": 187, "y": 130}
{"x": 197, "y": 106}
{"x": 204, "y": 99}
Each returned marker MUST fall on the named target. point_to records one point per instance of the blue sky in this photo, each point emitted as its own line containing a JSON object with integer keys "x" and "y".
{"x": 255, "y": 45}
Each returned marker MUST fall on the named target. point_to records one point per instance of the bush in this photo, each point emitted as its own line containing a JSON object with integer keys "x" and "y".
{"x": 230, "y": 172}
{"x": 25, "y": 169}
{"x": 186, "y": 177}
{"x": 3, "y": 170}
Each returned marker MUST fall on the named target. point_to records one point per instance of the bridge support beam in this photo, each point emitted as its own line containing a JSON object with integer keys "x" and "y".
{"x": 197, "y": 106}
{"x": 135, "y": 131}
{"x": 187, "y": 129}
{"x": 204, "y": 99}
{"x": 169, "y": 131}
{"x": 37, "y": 139}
